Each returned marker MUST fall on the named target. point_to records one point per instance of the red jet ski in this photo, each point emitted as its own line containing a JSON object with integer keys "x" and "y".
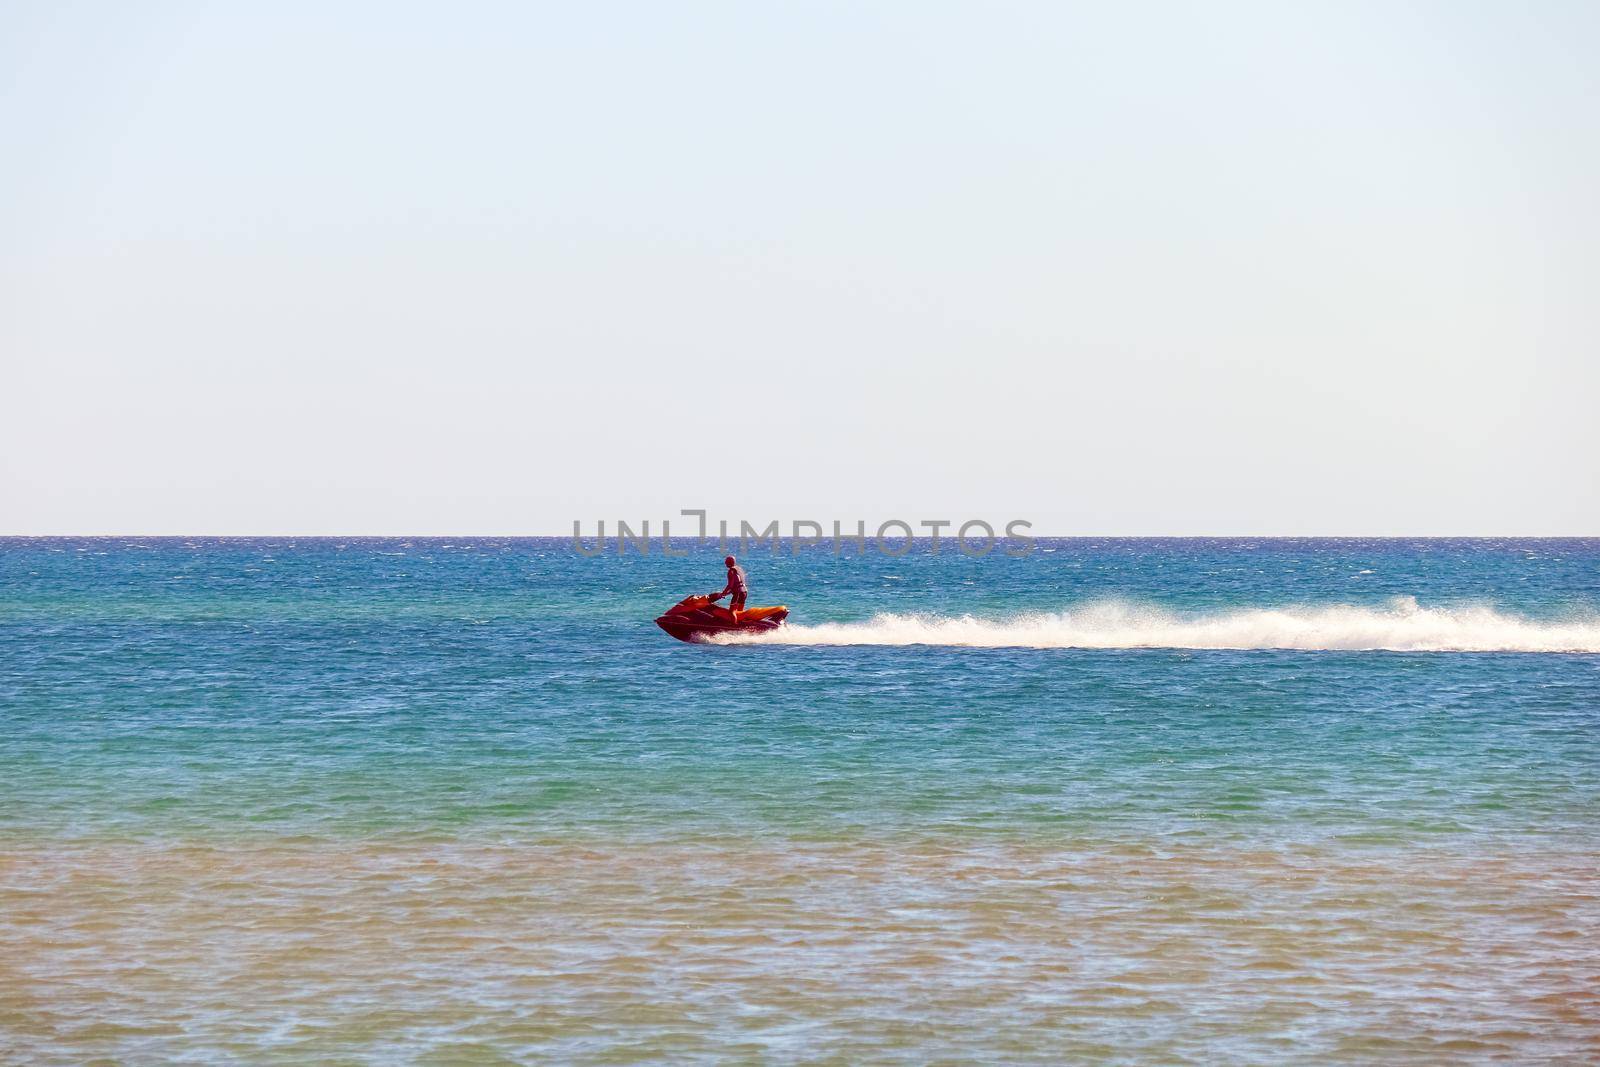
{"x": 696, "y": 617}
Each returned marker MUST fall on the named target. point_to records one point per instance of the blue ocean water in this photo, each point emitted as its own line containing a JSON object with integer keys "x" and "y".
{"x": 1340, "y": 799}
{"x": 448, "y": 686}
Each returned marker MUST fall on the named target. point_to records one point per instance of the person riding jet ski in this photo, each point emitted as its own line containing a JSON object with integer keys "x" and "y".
{"x": 698, "y": 618}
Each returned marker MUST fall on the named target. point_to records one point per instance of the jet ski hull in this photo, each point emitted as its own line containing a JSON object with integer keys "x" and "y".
{"x": 696, "y": 618}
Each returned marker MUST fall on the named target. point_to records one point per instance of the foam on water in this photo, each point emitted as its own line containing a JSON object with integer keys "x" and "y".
{"x": 1402, "y": 625}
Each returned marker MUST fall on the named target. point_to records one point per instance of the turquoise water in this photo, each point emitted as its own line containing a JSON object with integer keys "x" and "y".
{"x": 477, "y": 704}
{"x": 450, "y": 687}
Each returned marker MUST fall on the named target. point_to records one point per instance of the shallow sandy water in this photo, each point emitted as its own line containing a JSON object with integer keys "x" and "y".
{"x": 810, "y": 951}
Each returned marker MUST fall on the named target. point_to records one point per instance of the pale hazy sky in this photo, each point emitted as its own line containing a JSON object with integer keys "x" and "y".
{"x": 1113, "y": 268}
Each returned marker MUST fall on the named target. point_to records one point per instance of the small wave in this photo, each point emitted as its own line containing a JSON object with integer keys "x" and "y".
{"x": 1400, "y": 626}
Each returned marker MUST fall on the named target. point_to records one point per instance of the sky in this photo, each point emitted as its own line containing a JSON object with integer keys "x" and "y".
{"x": 1144, "y": 268}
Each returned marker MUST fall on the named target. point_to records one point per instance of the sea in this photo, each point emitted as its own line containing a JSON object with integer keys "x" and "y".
{"x": 459, "y": 800}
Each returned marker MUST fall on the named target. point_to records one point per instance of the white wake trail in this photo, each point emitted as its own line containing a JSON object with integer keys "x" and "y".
{"x": 1400, "y": 626}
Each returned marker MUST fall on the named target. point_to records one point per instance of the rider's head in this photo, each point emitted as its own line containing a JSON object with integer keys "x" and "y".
{"x": 730, "y": 561}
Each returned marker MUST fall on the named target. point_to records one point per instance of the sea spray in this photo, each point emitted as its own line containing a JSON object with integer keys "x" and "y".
{"x": 1402, "y": 625}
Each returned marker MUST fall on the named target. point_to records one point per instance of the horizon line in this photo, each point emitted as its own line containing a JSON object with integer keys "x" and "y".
{"x": 690, "y": 538}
